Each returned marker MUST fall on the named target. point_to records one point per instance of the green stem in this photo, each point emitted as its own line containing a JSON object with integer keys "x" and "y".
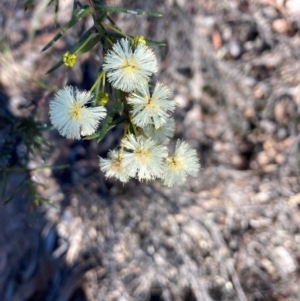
{"x": 23, "y": 170}
{"x": 113, "y": 23}
{"x": 97, "y": 81}
{"x": 84, "y": 43}
{"x": 103, "y": 82}
{"x": 109, "y": 40}
{"x": 124, "y": 135}
{"x": 113, "y": 28}
{"x": 133, "y": 127}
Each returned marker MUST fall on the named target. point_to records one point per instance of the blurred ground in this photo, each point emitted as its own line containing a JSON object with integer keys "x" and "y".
{"x": 230, "y": 234}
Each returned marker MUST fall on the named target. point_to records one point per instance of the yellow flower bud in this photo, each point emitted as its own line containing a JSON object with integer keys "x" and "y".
{"x": 102, "y": 98}
{"x": 69, "y": 59}
{"x": 138, "y": 40}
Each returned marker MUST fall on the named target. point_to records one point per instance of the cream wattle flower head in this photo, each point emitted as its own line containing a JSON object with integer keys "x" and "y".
{"x": 184, "y": 162}
{"x": 71, "y": 117}
{"x": 151, "y": 109}
{"x": 128, "y": 68}
{"x": 145, "y": 159}
{"x": 113, "y": 166}
{"x": 163, "y": 134}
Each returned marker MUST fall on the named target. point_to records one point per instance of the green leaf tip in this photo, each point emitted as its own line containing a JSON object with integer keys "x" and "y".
{"x": 128, "y": 11}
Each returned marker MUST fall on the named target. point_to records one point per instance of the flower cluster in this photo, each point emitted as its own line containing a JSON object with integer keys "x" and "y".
{"x": 145, "y": 159}
{"x": 145, "y": 156}
{"x": 143, "y": 153}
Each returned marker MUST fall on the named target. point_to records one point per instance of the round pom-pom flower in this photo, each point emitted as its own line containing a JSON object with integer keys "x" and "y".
{"x": 127, "y": 68}
{"x": 71, "y": 117}
{"x": 113, "y": 166}
{"x": 163, "y": 134}
{"x": 151, "y": 109}
{"x": 145, "y": 159}
{"x": 184, "y": 162}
